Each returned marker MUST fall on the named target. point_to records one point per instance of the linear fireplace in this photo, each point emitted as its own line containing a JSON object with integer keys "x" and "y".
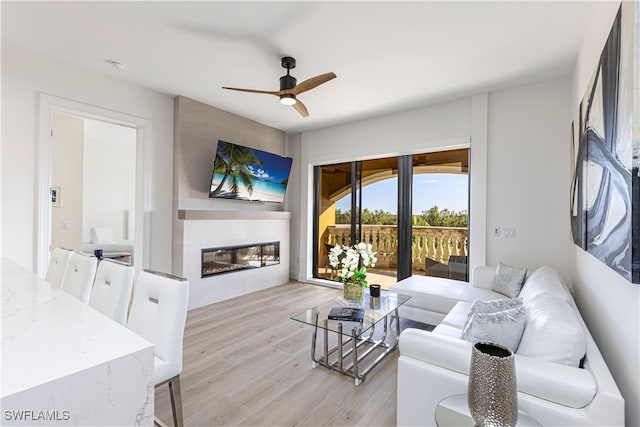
{"x": 228, "y": 259}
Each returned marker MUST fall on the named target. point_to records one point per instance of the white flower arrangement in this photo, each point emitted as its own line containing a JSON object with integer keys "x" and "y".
{"x": 352, "y": 262}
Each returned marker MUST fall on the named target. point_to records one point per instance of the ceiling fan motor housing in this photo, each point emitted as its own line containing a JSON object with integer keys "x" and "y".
{"x": 287, "y": 82}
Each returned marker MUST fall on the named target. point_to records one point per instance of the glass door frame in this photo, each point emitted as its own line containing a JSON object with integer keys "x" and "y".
{"x": 404, "y": 214}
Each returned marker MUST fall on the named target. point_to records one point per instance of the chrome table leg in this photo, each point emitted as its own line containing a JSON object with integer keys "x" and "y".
{"x": 314, "y": 334}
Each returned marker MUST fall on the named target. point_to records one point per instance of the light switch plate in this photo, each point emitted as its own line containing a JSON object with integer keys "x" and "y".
{"x": 510, "y": 232}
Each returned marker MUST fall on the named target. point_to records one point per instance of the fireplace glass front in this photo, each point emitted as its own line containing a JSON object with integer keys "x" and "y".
{"x": 233, "y": 258}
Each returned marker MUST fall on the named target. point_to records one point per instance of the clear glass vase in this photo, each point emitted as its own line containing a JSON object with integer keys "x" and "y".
{"x": 352, "y": 292}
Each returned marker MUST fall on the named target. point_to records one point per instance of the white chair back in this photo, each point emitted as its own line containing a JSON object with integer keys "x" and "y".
{"x": 111, "y": 290}
{"x": 57, "y": 266}
{"x": 158, "y": 314}
{"x": 78, "y": 278}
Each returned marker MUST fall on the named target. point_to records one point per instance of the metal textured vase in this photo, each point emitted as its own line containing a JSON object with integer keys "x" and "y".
{"x": 352, "y": 292}
{"x": 493, "y": 392}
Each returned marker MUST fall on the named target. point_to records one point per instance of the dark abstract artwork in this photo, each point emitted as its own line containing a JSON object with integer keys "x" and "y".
{"x": 604, "y": 211}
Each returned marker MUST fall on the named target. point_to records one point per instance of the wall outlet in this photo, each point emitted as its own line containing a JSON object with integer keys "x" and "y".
{"x": 496, "y": 232}
{"x": 510, "y": 232}
{"x": 66, "y": 225}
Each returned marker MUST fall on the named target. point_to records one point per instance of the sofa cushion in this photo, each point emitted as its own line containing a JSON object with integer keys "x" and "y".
{"x": 448, "y": 330}
{"x": 502, "y": 327}
{"x": 458, "y": 316}
{"x": 509, "y": 280}
{"x": 545, "y": 280}
{"x": 483, "y": 276}
{"x": 553, "y": 332}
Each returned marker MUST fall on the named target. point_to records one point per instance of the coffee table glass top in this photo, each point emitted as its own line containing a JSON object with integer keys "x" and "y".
{"x": 375, "y": 309}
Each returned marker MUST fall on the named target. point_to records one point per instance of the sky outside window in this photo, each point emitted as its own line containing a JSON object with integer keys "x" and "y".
{"x": 447, "y": 191}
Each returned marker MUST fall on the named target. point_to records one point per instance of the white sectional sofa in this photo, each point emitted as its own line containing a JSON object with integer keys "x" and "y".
{"x": 552, "y": 388}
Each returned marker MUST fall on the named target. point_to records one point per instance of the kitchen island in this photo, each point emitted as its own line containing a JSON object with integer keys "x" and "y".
{"x": 64, "y": 363}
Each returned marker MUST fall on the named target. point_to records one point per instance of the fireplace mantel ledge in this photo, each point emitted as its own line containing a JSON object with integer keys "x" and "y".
{"x": 188, "y": 214}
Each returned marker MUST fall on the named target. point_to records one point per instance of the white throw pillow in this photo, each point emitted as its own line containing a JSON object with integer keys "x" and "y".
{"x": 509, "y": 280}
{"x": 553, "y": 332}
{"x": 504, "y": 328}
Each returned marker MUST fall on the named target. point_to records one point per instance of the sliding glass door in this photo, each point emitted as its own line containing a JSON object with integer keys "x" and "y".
{"x": 440, "y": 236}
{"x": 412, "y": 209}
{"x": 357, "y": 202}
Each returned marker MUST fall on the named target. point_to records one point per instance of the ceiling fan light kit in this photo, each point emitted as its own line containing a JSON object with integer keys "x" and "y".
{"x": 287, "y": 99}
{"x": 289, "y": 89}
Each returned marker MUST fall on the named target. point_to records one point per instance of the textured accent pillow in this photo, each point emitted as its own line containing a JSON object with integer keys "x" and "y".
{"x": 492, "y": 306}
{"x": 504, "y": 328}
{"x": 509, "y": 280}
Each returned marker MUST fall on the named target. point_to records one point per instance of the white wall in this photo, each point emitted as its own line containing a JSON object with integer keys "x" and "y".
{"x": 609, "y": 304}
{"x": 66, "y": 172}
{"x": 109, "y": 177}
{"x": 528, "y": 176}
{"x": 24, "y": 76}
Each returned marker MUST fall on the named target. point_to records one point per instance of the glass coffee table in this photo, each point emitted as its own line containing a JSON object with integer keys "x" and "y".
{"x": 359, "y": 346}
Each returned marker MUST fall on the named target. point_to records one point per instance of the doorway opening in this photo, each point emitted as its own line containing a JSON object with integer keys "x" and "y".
{"x": 131, "y": 225}
{"x": 93, "y": 172}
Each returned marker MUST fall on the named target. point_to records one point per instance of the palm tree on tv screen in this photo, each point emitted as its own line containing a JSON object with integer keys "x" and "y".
{"x": 233, "y": 162}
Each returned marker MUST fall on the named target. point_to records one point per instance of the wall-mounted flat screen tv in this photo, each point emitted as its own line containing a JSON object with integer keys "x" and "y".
{"x": 244, "y": 173}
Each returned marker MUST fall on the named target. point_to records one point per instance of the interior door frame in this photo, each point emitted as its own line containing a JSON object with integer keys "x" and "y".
{"x": 49, "y": 105}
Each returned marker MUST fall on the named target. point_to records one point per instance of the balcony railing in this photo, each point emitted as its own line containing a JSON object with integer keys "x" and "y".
{"x": 434, "y": 243}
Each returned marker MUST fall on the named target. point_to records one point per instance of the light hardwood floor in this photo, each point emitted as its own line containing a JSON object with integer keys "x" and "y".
{"x": 246, "y": 363}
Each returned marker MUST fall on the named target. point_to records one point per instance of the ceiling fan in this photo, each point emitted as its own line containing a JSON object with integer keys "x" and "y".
{"x": 289, "y": 90}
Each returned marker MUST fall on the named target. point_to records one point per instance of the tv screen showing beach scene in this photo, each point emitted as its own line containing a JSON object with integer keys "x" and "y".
{"x": 244, "y": 173}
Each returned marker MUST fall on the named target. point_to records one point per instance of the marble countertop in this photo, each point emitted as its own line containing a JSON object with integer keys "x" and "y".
{"x": 48, "y": 334}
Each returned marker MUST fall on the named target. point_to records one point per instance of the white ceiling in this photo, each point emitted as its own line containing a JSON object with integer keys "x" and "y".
{"x": 388, "y": 56}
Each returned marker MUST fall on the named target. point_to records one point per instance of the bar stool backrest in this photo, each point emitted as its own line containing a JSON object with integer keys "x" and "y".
{"x": 57, "y": 266}
{"x": 79, "y": 275}
{"x": 111, "y": 290}
{"x": 158, "y": 314}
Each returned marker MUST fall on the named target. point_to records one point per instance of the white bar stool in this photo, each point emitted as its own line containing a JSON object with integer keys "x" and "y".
{"x": 159, "y": 314}
{"x": 57, "y": 266}
{"x": 79, "y": 275}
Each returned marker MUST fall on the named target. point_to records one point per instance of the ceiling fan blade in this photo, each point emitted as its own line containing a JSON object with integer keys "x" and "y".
{"x": 300, "y": 108}
{"x": 268, "y": 92}
{"x": 312, "y": 82}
